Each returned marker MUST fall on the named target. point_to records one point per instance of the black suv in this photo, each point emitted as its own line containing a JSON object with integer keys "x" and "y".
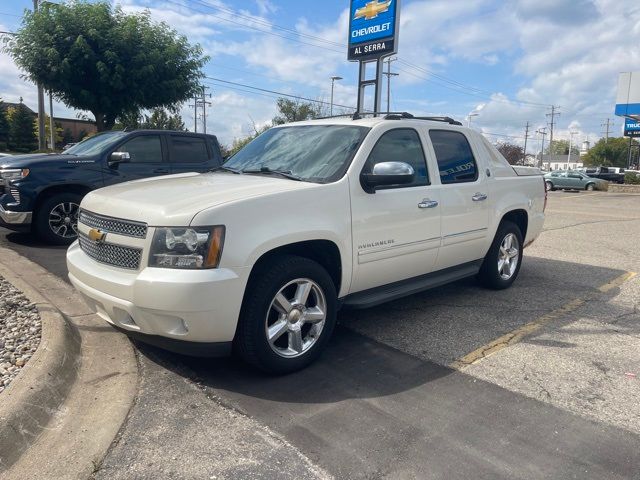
{"x": 42, "y": 192}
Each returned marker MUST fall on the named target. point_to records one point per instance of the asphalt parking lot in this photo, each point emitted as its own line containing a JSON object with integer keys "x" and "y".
{"x": 539, "y": 381}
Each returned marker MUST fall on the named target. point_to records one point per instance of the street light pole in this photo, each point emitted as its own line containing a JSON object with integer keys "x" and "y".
{"x": 52, "y": 131}
{"x": 543, "y": 132}
{"x": 469, "y": 118}
{"x": 334, "y": 79}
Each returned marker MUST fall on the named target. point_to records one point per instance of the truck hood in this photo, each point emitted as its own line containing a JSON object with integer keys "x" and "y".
{"x": 30, "y": 161}
{"x": 175, "y": 199}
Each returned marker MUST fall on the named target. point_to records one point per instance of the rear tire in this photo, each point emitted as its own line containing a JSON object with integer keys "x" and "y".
{"x": 590, "y": 187}
{"x": 504, "y": 258}
{"x": 549, "y": 186}
{"x": 288, "y": 315}
{"x": 56, "y": 220}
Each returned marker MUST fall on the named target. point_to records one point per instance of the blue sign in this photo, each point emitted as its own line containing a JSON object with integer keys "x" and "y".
{"x": 631, "y": 127}
{"x": 372, "y": 28}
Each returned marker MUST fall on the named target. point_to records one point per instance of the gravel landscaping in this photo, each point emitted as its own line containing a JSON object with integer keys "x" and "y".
{"x": 20, "y": 328}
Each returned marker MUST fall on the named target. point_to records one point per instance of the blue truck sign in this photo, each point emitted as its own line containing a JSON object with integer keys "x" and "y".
{"x": 373, "y": 28}
{"x": 631, "y": 127}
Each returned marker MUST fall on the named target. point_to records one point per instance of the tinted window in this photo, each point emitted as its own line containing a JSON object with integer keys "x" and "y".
{"x": 146, "y": 149}
{"x": 401, "y": 145}
{"x": 188, "y": 150}
{"x": 455, "y": 158}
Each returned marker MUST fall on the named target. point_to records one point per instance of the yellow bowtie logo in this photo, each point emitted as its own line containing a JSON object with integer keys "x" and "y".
{"x": 372, "y": 9}
{"x": 97, "y": 236}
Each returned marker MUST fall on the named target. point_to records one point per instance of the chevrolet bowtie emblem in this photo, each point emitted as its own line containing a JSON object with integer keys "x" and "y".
{"x": 372, "y": 9}
{"x": 97, "y": 236}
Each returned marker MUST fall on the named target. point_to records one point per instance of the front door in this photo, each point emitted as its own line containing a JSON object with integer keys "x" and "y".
{"x": 465, "y": 200}
{"x": 396, "y": 231}
{"x": 147, "y": 160}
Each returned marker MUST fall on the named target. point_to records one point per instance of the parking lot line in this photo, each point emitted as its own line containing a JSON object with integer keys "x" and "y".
{"x": 592, "y": 214}
{"x": 517, "y": 335}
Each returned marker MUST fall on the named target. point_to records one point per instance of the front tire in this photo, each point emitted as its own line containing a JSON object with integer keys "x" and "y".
{"x": 288, "y": 315}
{"x": 56, "y": 220}
{"x": 549, "y": 186}
{"x": 590, "y": 187}
{"x": 502, "y": 263}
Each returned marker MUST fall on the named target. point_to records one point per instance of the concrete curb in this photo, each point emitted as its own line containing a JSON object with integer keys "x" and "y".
{"x": 60, "y": 415}
{"x": 43, "y": 384}
{"x": 624, "y": 188}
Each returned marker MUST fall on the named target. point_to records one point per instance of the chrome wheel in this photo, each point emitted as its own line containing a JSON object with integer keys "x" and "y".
{"x": 509, "y": 256}
{"x": 63, "y": 219}
{"x": 296, "y": 318}
{"x": 548, "y": 186}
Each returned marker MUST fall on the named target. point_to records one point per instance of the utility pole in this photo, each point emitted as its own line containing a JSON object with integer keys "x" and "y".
{"x": 334, "y": 79}
{"x": 543, "y": 132}
{"x": 204, "y": 103}
{"x": 195, "y": 114}
{"x": 42, "y": 143}
{"x": 389, "y": 75}
{"x": 52, "y": 130}
{"x": 571, "y": 134}
{"x": 607, "y": 130}
{"x": 554, "y": 113}
{"x": 526, "y": 139}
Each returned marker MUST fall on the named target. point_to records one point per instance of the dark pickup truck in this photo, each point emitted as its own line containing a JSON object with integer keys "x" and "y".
{"x": 42, "y": 192}
{"x": 605, "y": 173}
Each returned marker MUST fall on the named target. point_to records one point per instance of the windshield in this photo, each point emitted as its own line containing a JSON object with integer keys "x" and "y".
{"x": 316, "y": 153}
{"x": 96, "y": 144}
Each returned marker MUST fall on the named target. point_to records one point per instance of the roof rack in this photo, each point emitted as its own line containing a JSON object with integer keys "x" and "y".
{"x": 407, "y": 116}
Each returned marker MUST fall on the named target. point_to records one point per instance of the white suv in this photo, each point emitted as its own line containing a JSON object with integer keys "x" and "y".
{"x": 308, "y": 218}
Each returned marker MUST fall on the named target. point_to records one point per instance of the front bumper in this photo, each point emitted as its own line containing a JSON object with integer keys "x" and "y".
{"x": 15, "y": 218}
{"x": 180, "y": 310}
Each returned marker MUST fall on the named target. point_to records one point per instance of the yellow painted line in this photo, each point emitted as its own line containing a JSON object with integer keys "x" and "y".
{"x": 591, "y": 214}
{"x": 517, "y": 335}
{"x": 580, "y": 195}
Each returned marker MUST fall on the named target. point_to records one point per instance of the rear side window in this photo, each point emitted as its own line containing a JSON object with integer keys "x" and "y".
{"x": 188, "y": 150}
{"x": 144, "y": 149}
{"x": 401, "y": 145}
{"x": 455, "y": 157}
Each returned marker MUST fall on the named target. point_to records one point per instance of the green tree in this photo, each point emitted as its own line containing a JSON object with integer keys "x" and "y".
{"x": 94, "y": 57}
{"x": 4, "y": 126}
{"x": 561, "y": 147}
{"x": 47, "y": 130}
{"x": 295, "y": 111}
{"x": 21, "y": 135}
{"x": 613, "y": 152}
{"x": 513, "y": 153}
{"x": 161, "y": 119}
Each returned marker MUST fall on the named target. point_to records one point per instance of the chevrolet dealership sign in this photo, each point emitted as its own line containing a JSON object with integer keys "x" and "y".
{"x": 631, "y": 127}
{"x": 628, "y": 99}
{"x": 373, "y": 29}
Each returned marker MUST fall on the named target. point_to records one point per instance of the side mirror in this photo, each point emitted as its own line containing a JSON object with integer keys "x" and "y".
{"x": 387, "y": 173}
{"x": 119, "y": 157}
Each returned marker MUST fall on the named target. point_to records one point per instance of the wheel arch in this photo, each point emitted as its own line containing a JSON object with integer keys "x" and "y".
{"x": 521, "y": 218}
{"x": 47, "y": 192}
{"x": 324, "y": 252}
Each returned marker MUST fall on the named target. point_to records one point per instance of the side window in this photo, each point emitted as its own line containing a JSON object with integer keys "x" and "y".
{"x": 144, "y": 149}
{"x": 455, "y": 157}
{"x": 401, "y": 145}
{"x": 186, "y": 149}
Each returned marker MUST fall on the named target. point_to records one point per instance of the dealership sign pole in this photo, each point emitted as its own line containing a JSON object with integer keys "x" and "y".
{"x": 373, "y": 36}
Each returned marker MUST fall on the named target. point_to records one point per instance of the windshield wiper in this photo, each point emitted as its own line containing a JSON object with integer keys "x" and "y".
{"x": 226, "y": 169}
{"x": 283, "y": 173}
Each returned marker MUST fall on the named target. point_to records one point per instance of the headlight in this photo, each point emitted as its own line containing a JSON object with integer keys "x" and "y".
{"x": 187, "y": 248}
{"x": 13, "y": 174}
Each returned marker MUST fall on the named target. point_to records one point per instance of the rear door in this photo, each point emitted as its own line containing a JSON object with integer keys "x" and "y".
{"x": 148, "y": 159}
{"x": 190, "y": 153}
{"x": 464, "y": 197}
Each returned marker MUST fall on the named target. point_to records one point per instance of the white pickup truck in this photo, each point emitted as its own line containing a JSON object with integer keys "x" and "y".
{"x": 308, "y": 218}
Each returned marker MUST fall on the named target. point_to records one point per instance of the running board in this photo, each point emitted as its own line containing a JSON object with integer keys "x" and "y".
{"x": 403, "y": 288}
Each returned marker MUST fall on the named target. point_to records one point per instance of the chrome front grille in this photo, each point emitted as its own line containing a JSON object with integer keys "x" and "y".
{"x": 111, "y": 254}
{"x": 15, "y": 194}
{"x": 127, "y": 228}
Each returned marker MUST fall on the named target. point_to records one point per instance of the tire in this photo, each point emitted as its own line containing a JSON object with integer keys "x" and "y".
{"x": 490, "y": 275}
{"x": 590, "y": 187}
{"x": 549, "y": 186}
{"x": 288, "y": 351}
{"x": 56, "y": 220}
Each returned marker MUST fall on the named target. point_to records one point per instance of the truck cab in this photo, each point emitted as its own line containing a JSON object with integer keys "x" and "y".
{"x": 42, "y": 192}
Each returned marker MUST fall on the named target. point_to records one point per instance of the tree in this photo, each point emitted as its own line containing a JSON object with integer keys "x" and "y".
{"x": 47, "y": 130}
{"x": 614, "y": 153}
{"x": 161, "y": 119}
{"x": 67, "y": 137}
{"x": 513, "y": 153}
{"x": 4, "y": 126}
{"x": 561, "y": 147}
{"x": 21, "y": 135}
{"x": 94, "y": 57}
{"x": 295, "y": 111}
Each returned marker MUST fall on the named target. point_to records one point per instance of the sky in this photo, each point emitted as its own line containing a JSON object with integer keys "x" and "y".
{"x": 506, "y": 61}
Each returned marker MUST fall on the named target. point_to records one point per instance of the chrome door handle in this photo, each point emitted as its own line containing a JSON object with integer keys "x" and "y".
{"x": 426, "y": 203}
{"x": 479, "y": 197}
